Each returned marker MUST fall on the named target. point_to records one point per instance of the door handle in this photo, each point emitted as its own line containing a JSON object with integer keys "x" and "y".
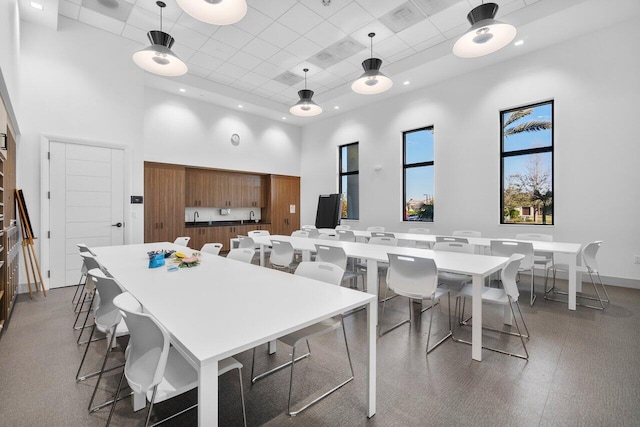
{"x": 118, "y": 224}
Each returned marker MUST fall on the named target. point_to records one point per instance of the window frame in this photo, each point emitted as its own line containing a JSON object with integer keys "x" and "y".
{"x": 524, "y": 152}
{"x": 342, "y": 174}
{"x": 406, "y": 166}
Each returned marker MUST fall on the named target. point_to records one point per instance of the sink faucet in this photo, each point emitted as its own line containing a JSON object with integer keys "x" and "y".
{"x": 251, "y": 215}
{"x": 195, "y": 215}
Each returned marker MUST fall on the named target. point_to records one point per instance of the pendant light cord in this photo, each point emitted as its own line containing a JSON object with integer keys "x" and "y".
{"x": 161, "y": 18}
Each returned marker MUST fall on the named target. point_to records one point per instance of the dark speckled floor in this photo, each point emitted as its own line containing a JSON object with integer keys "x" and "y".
{"x": 584, "y": 369}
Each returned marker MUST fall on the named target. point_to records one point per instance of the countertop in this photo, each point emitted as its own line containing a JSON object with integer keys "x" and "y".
{"x": 191, "y": 224}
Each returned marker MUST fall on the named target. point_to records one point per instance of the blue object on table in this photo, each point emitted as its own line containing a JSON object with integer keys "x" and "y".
{"x": 156, "y": 260}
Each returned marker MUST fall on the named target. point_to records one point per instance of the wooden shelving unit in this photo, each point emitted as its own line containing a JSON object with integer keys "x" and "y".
{"x": 9, "y": 237}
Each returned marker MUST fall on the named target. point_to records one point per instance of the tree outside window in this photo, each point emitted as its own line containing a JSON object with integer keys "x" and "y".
{"x": 527, "y": 165}
{"x": 418, "y": 168}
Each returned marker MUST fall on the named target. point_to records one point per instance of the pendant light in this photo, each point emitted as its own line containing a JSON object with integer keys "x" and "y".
{"x": 372, "y": 81}
{"x": 218, "y": 12}
{"x": 486, "y": 35}
{"x": 158, "y": 58}
{"x": 305, "y": 107}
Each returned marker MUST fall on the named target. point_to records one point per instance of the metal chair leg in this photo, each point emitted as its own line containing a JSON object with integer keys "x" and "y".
{"x": 244, "y": 412}
{"x": 153, "y": 398}
{"x": 316, "y": 400}
{"x": 115, "y": 399}
{"x": 450, "y": 334}
{"x": 79, "y": 286}
{"x": 277, "y": 368}
{"x": 104, "y": 364}
{"x": 86, "y": 350}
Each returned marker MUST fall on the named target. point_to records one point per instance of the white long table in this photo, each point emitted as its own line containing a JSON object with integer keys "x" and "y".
{"x": 224, "y": 307}
{"x": 477, "y": 266}
{"x": 571, "y": 250}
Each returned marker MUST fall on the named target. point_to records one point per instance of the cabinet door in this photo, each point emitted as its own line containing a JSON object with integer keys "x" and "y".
{"x": 195, "y": 184}
{"x": 217, "y": 189}
{"x": 285, "y": 197}
{"x": 163, "y": 202}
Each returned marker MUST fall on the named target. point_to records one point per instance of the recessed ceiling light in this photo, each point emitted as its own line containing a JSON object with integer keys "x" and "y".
{"x": 284, "y": 118}
{"x": 519, "y": 43}
{"x": 406, "y": 83}
{"x": 183, "y": 90}
{"x": 35, "y": 5}
{"x": 240, "y": 106}
{"x": 337, "y": 107}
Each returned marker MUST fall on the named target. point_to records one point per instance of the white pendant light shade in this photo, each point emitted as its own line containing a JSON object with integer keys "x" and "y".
{"x": 486, "y": 35}
{"x": 372, "y": 81}
{"x": 305, "y": 107}
{"x": 158, "y": 58}
{"x": 218, "y": 12}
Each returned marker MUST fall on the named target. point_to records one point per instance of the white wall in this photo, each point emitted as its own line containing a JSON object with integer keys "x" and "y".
{"x": 594, "y": 82}
{"x": 10, "y": 52}
{"x": 182, "y": 130}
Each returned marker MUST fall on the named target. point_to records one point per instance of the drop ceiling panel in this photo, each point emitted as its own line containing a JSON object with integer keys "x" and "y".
{"x": 279, "y": 35}
{"x": 245, "y": 60}
{"x": 300, "y": 18}
{"x": 322, "y": 10}
{"x": 232, "y": 36}
{"x": 402, "y": 17}
{"x": 325, "y": 34}
{"x": 351, "y": 17}
{"x": 302, "y": 46}
{"x": 203, "y": 60}
{"x": 273, "y": 8}
{"x": 187, "y": 37}
{"x": 378, "y": 8}
{"x": 261, "y": 49}
{"x": 254, "y": 22}
{"x": 187, "y": 21}
{"x": 135, "y": 34}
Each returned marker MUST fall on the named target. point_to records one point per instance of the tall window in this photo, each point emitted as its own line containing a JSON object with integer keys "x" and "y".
{"x": 349, "y": 186}
{"x": 526, "y": 191}
{"x": 418, "y": 167}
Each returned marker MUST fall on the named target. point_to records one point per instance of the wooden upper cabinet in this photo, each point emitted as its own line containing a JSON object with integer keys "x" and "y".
{"x": 164, "y": 202}
{"x": 220, "y": 189}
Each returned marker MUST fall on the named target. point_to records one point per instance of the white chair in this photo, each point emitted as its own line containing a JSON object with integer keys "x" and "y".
{"x": 256, "y": 233}
{"x": 466, "y": 233}
{"x": 382, "y": 234}
{"x": 504, "y": 297}
{"x": 416, "y": 278}
{"x": 281, "y": 255}
{"x": 375, "y": 228}
{"x": 382, "y": 266}
{"x": 589, "y": 253}
{"x": 155, "y": 368}
{"x": 83, "y": 273}
{"x": 383, "y": 240}
{"x": 326, "y": 236}
{"x": 312, "y": 230}
{"x": 345, "y": 235}
{"x": 212, "y": 248}
{"x": 343, "y": 227}
{"x": 506, "y": 248}
{"x": 451, "y": 239}
{"x": 541, "y": 259}
{"x": 245, "y": 242}
{"x": 453, "y": 281}
{"x": 324, "y": 272}
{"x": 300, "y": 233}
{"x": 88, "y": 293}
{"x": 336, "y": 255}
{"x": 182, "y": 241}
{"x": 420, "y": 230}
{"x": 107, "y": 320}
{"x": 242, "y": 254}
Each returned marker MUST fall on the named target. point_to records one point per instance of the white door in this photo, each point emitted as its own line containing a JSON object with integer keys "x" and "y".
{"x": 86, "y": 205}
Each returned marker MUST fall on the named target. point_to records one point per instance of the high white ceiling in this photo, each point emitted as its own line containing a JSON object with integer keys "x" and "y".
{"x": 258, "y": 62}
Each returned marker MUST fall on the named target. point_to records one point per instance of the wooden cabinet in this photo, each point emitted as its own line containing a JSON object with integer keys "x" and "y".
{"x": 9, "y": 232}
{"x": 164, "y": 202}
{"x": 221, "y": 189}
{"x": 283, "y": 211}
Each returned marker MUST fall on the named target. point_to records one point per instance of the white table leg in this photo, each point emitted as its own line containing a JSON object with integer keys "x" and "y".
{"x": 208, "y": 395}
{"x": 138, "y": 401}
{"x": 572, "y": 282}
{"x": 306, "y": 255}
{"x": 272, "y": 347}
{"x": 262, "y": 255}
{"x": 372, "y": 322}
{"x": 476, "y": 331}
{"x": 372, "y": 276}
